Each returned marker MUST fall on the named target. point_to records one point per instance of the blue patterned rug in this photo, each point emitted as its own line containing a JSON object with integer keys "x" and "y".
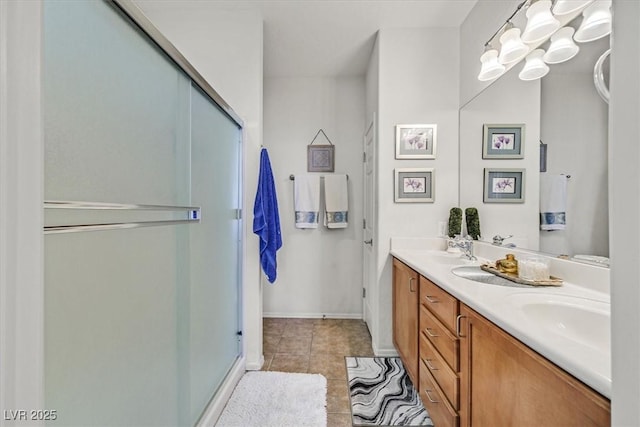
{"x": 381, "y": 393}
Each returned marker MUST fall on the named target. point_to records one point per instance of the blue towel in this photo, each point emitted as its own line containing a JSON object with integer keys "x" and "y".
{"x": 266, "y": 220}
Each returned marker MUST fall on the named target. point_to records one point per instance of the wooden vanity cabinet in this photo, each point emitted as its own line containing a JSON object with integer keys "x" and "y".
{"x": 405, "y": 316}
{"x": 424, "y": 319}
{"x": 505, "y": 383}
{"x": 469, "y": 372}
{"x": 439, "y": 354}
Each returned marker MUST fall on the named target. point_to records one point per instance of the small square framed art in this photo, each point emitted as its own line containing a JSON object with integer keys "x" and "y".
{"x": 414, "y": 185}
{"x": 416, "y": 141}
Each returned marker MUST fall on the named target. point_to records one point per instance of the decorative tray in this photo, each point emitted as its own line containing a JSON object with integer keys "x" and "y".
{"x": 553, "y": 281}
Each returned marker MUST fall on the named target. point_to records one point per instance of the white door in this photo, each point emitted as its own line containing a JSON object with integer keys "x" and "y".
{"x": 369, "y": 242}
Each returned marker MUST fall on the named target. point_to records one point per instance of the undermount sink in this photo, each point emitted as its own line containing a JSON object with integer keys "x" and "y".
{"x": 477, "y": 274}
{"x": 584, "y": 320}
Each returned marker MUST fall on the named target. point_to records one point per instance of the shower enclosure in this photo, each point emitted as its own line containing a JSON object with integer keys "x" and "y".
{"x": 142, "y": 225}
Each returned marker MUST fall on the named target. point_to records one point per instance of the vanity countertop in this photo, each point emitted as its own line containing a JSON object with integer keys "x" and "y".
{"x": 570, "y": 344}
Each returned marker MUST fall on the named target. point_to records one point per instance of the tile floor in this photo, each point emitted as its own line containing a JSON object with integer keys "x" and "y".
{"x": 318, "y": 346}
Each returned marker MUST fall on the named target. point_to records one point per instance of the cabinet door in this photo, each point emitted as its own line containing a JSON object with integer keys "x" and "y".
{"x": 405, "y": 317}
{"x": 505, "y": 383}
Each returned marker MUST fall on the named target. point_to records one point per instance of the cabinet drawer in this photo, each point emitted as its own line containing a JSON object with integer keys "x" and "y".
{"x": 440, "y": 370}
{"x": 442, "y": 338}
{"x": 443, "y": 305}
{"x": 441, "y": 412}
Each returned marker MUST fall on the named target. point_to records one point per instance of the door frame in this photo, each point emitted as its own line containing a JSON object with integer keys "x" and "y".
{"x": 369, "y": 312}
{"x": 21, "y": 212}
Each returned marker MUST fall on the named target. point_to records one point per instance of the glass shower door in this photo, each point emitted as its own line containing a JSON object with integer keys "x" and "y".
{"x": 140, "y": 323}
{"x": 215, "y": 251}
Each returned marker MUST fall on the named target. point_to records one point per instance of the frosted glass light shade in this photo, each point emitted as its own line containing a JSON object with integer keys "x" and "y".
{"x": 562, "y": 47}
{"x": 513, "y": 49}
{"x": 596, "y": 22}
{"x": 491, "y": 67}
{"x": 535, "y": 67}
{"x": 564, "y": 7}
{"x": 540, "y": 22}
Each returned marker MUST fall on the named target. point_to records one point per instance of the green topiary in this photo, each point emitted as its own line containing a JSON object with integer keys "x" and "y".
{"x": 473, "y": 222}
{"x": 455, "y": 222}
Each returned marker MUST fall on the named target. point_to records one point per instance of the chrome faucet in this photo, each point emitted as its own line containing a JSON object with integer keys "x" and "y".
{"x": 466, "y": 245}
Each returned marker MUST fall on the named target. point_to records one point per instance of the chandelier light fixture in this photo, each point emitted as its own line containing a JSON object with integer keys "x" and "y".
{"x": 513, "y": 48}
{"x": 562, "y": 47}
{"x": 491, "y": 67}
{"x": 564, "y": 7}
{"x": 540, "y": 22}
{"x": 534, "y": 67}
{"x": 596, "y": 22}
{"x": 546, "y": 20}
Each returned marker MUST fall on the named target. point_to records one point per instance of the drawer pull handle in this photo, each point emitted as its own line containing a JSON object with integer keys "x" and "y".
{"x": 431, "y": 334}
{"x": 431, "y": 299}
{"x": 429, "y": 365}
{"x": 429, "y": 396}
{"x": 458, "y": 319}
{"x": 411, "y": 289}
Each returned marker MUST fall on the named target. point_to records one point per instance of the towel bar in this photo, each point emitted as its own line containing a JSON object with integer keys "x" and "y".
{"x": 292, "y": 177}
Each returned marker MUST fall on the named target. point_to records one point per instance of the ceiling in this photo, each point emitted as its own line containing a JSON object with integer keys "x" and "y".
{"x": 318, "y": 38}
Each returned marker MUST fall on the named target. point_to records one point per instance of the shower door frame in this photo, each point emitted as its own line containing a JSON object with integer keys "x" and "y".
{"x": 135, "y": 14}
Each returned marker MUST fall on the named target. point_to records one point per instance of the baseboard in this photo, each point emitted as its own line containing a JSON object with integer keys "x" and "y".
{"x": 385, "y": 352}
{"x": 255, "y": 366}
{"x": 216, "y": 405}
{"x": 314, "y": 315}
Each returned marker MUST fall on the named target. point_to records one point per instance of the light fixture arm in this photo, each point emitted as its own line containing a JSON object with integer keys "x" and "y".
{"x": 507, "y": 22}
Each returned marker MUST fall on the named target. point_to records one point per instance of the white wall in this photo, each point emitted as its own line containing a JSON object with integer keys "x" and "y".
{"x": 508, "y": 100}
{"x": 418, "y": 83}
{"x": 319, "y": 270}
{"x": 21, "y": 213}
{"x": 624, "y": 211}
{"x": 574, "y": 124}
{"x": 226, "y": 48}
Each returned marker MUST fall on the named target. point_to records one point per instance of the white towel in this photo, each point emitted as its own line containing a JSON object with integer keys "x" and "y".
{"x": 336, "y": 200}
{"x": 553, "y": 202}
{"x": 307, "y": 200}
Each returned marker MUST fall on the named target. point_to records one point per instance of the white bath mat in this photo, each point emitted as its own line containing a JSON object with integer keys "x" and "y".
{"x": 277, "y": 399}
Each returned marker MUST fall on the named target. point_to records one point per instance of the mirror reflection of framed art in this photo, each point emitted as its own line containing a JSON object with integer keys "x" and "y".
{"x": 503, "y": 142}
{"x": 503, "y": 186}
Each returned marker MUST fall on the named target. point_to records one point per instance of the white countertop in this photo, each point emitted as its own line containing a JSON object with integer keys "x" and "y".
{"x": 501, "y": 304}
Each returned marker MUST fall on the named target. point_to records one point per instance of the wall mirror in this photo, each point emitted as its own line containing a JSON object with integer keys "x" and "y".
{"x": 565, "y": 111}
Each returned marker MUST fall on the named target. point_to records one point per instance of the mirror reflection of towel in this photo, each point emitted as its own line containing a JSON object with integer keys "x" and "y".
{"x": 553, "y": 202}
